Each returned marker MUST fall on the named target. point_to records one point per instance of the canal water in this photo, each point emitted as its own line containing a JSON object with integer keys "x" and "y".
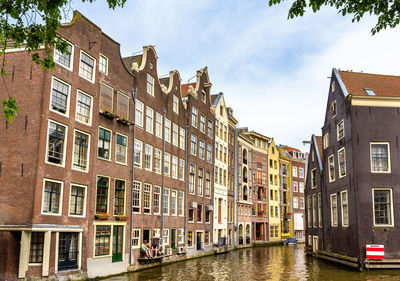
{"x": 262, "y": 263}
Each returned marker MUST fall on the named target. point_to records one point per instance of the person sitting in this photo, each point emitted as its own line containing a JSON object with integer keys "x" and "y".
{"x": 154, "y": 248}
{"x": 144, "y": 249}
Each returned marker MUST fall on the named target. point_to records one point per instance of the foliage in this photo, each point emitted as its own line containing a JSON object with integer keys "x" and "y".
{"x": 33, "y": 24}
{"x": 388, "y": 11}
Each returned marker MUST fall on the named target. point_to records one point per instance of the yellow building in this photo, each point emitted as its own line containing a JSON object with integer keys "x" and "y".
{"x": 285, "y": 176}
{"x": 274, "y": 192}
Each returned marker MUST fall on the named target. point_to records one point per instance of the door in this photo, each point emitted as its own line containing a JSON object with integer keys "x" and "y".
{"x": 118, "y": 234}
{"x": 67, "y": 251}
{"x": 315, "y": 243}
{"x": 146, "y": 235}
{"x": 198, "y": 241}
{"x": 173, "y": 238}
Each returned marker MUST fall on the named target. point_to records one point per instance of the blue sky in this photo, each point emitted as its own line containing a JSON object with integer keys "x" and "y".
{"x": 272, "y": 70}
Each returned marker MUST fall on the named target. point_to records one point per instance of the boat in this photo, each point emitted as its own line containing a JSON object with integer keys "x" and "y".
{"x": 291, "y": 241}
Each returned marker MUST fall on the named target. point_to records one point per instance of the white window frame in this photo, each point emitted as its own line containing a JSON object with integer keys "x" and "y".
{"x": 333, "y": 104}
{"x": 332, "y": 201}
{"x": 139, "y": 183}
{"x": 111, "y": 138}
{"x": 315, "y": 178}
{"x": 84, "y": 201}
{"x": 138, "y": 165}
{"x": 391, "y": 207}
{"x": 182, "y": 136}
{"x": 150, "y": 199}
{"x": 337, "y": 130}
{"x": 181, "y": 236}
{"x": 158, "y": 151}
{"x": 389, "y": 158}
{"x": 319, "y": 200}
{"x": 344, "y": 157}
{"x": 329, "y": 168}
{"x": 71, "y": 67}
{"x": 175, "y": 134}
{"x": 158, "y": 125}
{"x": 88, "y": 152}
{"x": 294, "y": 171}
{"x": 347, "y": 206}
{"x": 174, "y": 163}
{"x": 65, "y": 144}
{"x": 159, "y": 200}
{"x": 301, "y": 173}
{"x": 94, "y": 67}
{"x": 176, "y": 202}
{"x": 175, "y": 104}
{"x": 314, "y": 210}
{"x": 151, "y": 157}
{"x": 149, "y": 119}
{"x": 106, "y": 65}
{"x": 134, "y": 238}
{"x": 66, "y": 114}
{"x": 91, "y": 108}
{"x": 326, "y": 140}
{"x": 166, "y": 236}
{"x": 181, "y": 169}
{"x": 167, "y": 160}
{"x": 194, "y": 114}
{"x": 60, "y": 203}
{"x": 150, "y": 81}
{"x": 181, "y": 203}
{"x": 168, "y": 194}
{"x": 139, "y": 122}
{"x": 126, "y": 149}
{"x": 167, "y": 130}
{"x": 203, "y": 124}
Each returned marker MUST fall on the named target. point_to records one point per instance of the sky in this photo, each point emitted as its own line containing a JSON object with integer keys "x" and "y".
{"x": 274, "y": 72}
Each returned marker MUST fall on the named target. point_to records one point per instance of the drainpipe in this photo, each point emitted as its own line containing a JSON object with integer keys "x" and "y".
{"x": 235, "y": 222}
{"x": 186, "y": 185}
{"x": 133, "y": 94}
{"x": 162, "y": 185}
{"x": 213, "y": 176}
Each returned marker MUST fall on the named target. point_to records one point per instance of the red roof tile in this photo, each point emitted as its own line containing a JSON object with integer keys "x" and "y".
{"x": 382, "y": 85}
{"x": 319, "y": 143}
{"x": 185, "y": 89}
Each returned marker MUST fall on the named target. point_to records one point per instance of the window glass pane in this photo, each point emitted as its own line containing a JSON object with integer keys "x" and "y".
{"x": 382, "y": 207}
{"x": 59, "y": 96}
{"x": 56, "y": 143}
{"x": 86, "y": 67}
{"x": 380, "y": 158}
{"x": 83, "y": 107}
{"x": 51, "y": 198}
{"x": 64, "y": 59}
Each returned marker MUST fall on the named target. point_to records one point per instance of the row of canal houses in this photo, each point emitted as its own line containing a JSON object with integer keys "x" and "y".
{"x": 352, "y": 186}
{"x": 105, "y": 155}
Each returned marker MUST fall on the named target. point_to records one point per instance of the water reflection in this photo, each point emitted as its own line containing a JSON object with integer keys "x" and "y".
{"x": 259, "y": 264}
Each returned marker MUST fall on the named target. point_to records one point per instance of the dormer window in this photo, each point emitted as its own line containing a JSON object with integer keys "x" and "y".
{"x": 333, "y": 109}
{"x": 150, "y": 84}
{"x": 370, "y": 92}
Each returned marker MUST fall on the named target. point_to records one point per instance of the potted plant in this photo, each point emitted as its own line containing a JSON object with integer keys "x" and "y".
{"x": 121, "y": 217}
{"x": 123, "y": 121}
{"x": 101, "y": 216}
{"x": 107, "y": 114}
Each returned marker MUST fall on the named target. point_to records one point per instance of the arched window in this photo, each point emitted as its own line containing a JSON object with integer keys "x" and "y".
{"x": 245, "y": 193}
{"x": 245, "y": 174}
{"x": 240, "y": 234}
{"x": 244, "y": 156}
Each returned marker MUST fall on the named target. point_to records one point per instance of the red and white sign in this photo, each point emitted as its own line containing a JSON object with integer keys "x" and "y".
{"x": 375, "y": 252}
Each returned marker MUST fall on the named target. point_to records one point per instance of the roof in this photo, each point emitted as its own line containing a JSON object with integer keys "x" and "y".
{"x": 164, "y": 81}
{"x": 319, "y": 144}
{"x": 129, "y": 60}
{"x": 185, "y": 89}
{"x": 215, "y": 99}
{"x": 382, "y": 85}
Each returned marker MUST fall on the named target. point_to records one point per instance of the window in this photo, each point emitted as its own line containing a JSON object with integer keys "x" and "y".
{"x": 295, "y": 172}
{"x": 301, "y": 187}
{"x": 380, "y": 157}
{"x": 60, "y": 93}
{"x": 106, "y": 98}
{"x": 52, "y": 193}
{"x": 314, "y": 210}
{"x": 209, "y": 153}
{"x": 148, "y": 157}
{"x": 309, "y": 211}
{"x": 190, "y": 239}
{"x": 174, "y": 167}
{"x": 157, "y": 161}
{"x": 333, "y": 109}
{"x": 182, "y": 138}
{"x": 200, "y": 182}
{"x": 135, "y": 238}
{"x": 103, "y": 150}
{"x": 295, "y": 203}
{"x": 193, "y": 144}
{"x": 331, "y": 164}
{"x": 175, "y": 134}
{"x": 56, "y": 143}
{"x": 119, "y": 197}
{"x": 121, "y": 149}
{"x": 84, "y": 105}
{"x": 345, "y": 208}
{"x": 175, "y": 104}
{"x": 342, "y": 163}
{"x": 138, "y": 153}
{"x": 86, "y": 67}
{"x": 139, "y": 108}
{"x": 166, "y": 236}
{"x": 210, "y": 129}
{"x": 166, "y": 201}
{"x": 36, "y": 249}
{"x": 208, "y": 183}
{"x": 181, "y": 202}
{"x": 149, "y": 119}
{"x": 66, "y": 59}
{"x": 81, "y": 151}
{"x": 103, "y": 64}
{"x": 301, "y": 203}
{"x": 181, "y": 169}
{"x": 199, "y": 213}
{"x": 150, "y": 84}
{"x": 313, "y": 178}
{"x": 181, "y": 236}
{"x": 295, "y": 186}
{"x": 202, "y": 123}
{"x": 301, "y": 173}
{"x": 340, "y": 130}
{"x": 156, "y": 233}
{"x": 77, "y": 200}
{"x": 194, "y": 116}
{"x": 159, "y": 122}
{"x": 383, "y": 207}
{"x": 137, "y": 190}
{"x": 191, "y": 178}
{"x": 334, "y": 220}
{"x": 201, "y": 149}
{"x": 326, "y": 140}
{"x": 122, "y": 106}
{"x": 156, "y": 200}
{"x": 173, "y": 202}
{"x": 147, "y": 198}
{"x": 167, "y": 163}
{"x": 167, "y": 130}
{"x": 103, "y": 184}
{"x": 320, "y": 210}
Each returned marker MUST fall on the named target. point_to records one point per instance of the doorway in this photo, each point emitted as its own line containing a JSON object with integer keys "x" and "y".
{"x": 118, "y": 234}
{"x": 198, "y": 241}
{"x": 68, "y": 251}
{"x": 173, "y": 238}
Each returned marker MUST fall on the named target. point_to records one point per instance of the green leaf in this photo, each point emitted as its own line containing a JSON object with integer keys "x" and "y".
{"x": 10, "y": 108}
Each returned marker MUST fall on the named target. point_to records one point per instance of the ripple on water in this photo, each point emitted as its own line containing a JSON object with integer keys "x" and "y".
{"x": 258, "y": 264}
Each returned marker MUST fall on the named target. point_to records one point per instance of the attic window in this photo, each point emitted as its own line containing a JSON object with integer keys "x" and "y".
{"x": 333, "y": 86}
{"x": 333, "y": 109}
{"x": 203, "y": 96}
{"x": 151, "y": 66}
{"x": 370, "y": 92}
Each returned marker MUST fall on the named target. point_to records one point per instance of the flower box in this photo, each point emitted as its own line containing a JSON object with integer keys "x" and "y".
{"x": 124, "y": 121}
{"x": 121, "y": 217}
{"x": 101, "y": 216}
{"x": 107, "y": 114}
